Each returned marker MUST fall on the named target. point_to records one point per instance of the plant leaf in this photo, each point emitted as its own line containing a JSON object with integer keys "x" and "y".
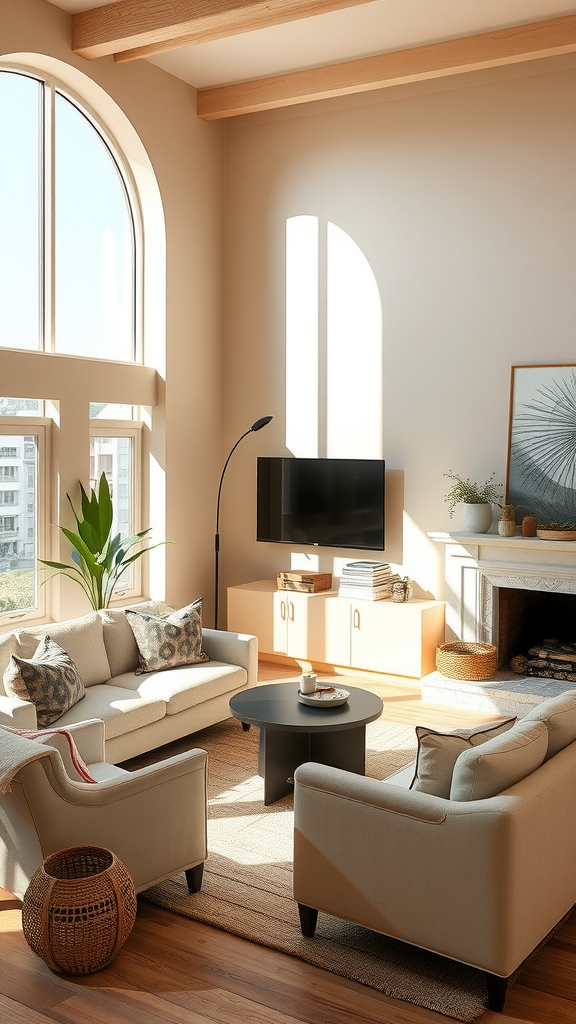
{"x": 105, "y": 509}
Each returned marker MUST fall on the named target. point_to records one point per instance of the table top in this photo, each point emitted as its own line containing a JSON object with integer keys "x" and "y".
{"x": 276, "y": 706}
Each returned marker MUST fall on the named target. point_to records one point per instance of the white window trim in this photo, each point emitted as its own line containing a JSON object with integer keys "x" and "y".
{"x": 133, "y": 429}
{"x": 23, "y": 426}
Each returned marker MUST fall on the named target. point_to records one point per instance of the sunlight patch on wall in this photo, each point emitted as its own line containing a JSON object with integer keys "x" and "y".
{"x": 353, "y": 352}
{"x": 302, "y": 336}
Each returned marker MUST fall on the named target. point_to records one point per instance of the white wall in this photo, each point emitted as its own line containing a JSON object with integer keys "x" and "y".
{"x": 461, "y": 196}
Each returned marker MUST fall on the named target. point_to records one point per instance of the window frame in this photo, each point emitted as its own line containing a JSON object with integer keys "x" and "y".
{"x": 39, "y": 426}
{"x": 132, "y": 429}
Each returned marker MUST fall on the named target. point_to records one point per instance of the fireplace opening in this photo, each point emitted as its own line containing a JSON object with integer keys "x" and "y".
{"x": 529, "y": 619}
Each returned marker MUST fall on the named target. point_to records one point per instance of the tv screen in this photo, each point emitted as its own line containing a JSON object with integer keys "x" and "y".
{"x": 337, "y": 503}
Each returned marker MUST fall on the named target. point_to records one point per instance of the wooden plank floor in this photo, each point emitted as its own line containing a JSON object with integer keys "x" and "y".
{"x": 179, "y": 971}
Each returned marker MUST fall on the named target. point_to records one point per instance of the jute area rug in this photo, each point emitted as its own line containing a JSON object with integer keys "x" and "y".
{"x": 247, "y": 887}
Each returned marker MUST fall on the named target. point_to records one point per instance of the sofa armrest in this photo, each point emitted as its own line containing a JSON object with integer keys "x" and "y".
{"x": 233, "y": 649}
{"x": 89, "y": 738}
{"x": 16, "y": 713}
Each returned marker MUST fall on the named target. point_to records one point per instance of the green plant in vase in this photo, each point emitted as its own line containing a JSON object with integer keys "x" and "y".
{"x": 100, "y": 559}
{"x": 477, "y": 500}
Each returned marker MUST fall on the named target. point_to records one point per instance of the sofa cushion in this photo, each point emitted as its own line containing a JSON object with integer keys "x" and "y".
{"x": 8, "y": 647}
{"x": 439, "y": 751}
{"x": 168, "y": 642}
{"x": 50, "y": 681}
{"x": 559, "y": 717}
{"x": 82, "y": 639}
{"x": 494, "y": 766}
{"x": 119, "y": 641}
{"x": 187, "y": 685}
{"x": 122, "y": 710}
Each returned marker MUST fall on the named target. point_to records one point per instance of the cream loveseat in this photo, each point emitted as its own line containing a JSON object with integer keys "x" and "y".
{"x": 140, "y": 712}
{"x": 482, "y": 881}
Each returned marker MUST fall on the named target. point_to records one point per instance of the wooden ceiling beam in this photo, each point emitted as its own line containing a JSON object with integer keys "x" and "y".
{"x": 435, "y": 60}
{"x": 140, "y": 28}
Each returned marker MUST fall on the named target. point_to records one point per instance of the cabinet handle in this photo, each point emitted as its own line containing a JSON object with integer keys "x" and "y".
{"x": 283, "y": 609}
{"x": 356, "y": 619}
{"x": 291, "y": 609}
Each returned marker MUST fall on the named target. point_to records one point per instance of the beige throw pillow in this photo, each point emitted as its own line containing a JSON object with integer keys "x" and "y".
{"x": 82, "y": 639}
{"x": 559, "y": 717}
{"x": 439, "y": 751}
{"x": 487, "y": 770}
{"x": 168, "y": 642}
{"x": 50, "y": 681}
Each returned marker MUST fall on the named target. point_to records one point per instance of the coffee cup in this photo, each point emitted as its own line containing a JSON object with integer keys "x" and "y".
{"x": 308, "y": 682}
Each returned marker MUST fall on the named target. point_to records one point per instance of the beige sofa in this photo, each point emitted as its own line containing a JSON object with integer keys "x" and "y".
{"x": 481, "y": 881}
{"x": 140, "y": 712}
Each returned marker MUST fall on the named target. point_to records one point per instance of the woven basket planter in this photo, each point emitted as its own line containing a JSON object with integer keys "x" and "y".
{"x": 462, "y": 660}
{"x": 79, "y": 909}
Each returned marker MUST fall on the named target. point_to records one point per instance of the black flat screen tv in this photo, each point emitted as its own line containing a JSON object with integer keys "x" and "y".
{"x": 336, "y": 503}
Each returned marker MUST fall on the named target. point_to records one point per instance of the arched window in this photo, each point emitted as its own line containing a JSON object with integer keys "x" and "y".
{"x": 69, "y": 266}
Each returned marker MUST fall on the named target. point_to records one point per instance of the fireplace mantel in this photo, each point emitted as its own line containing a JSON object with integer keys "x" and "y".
{"x": 475, "y": 563}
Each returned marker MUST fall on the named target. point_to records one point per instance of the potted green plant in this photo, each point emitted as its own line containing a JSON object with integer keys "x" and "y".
{"x": 476, "y": 501}
{"x": 99, "y": 558}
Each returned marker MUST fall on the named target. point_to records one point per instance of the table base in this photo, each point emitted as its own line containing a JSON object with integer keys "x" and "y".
{"x": 280, "y": 753}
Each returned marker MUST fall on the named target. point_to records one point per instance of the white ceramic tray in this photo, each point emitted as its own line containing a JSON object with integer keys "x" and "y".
{"x": 328, "y": 697}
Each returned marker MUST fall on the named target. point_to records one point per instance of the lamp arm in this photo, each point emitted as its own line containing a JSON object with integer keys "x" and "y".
{"x": 217, "y": 535}
{"x": 222, "y": 478}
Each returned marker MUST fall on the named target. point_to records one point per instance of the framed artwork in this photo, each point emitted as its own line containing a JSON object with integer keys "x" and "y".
{"x": 541, "y": 466}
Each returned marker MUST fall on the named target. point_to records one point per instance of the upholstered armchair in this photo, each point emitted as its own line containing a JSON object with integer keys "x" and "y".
{"x": 153, "y": 819}
{"x": 480, "y": 881}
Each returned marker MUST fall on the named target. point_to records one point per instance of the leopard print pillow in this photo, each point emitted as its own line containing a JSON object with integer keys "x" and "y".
{"x": 49, "y": 680}
{"x": 168, "y": 642}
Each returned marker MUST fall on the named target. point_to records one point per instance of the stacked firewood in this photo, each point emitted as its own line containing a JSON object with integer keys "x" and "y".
{"x": 550, "y": 659}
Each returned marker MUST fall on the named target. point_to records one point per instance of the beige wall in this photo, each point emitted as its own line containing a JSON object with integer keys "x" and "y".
{"x": 461, "y": 196}
{"x": 187, "y": 158}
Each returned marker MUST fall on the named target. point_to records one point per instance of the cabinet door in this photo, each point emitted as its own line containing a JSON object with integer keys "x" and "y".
{"x": 387, "y": 637}
{"x": 281, "y": 613}
{"x": 336, "y": 636}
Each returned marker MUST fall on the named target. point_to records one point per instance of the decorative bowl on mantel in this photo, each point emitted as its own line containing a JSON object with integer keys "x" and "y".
{"x": 550, "y": 534}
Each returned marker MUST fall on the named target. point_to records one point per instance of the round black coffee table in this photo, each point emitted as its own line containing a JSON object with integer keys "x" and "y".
{"x": 292, "y": 733}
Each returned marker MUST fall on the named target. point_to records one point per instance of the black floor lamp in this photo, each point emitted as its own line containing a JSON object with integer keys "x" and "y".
{"x": 262, "y": 422}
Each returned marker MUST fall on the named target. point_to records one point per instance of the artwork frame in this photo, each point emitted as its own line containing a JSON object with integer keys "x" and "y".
{"x": 541, "y": 456}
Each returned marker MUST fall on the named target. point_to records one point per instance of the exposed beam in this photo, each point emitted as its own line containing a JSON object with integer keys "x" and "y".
{"x": 140, "y": 28}
{"x": 436, "y": 60}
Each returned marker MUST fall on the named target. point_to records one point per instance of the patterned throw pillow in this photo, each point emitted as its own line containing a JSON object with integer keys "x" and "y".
{"x": 168, "y": 642}
{"x": 49, "y": 680}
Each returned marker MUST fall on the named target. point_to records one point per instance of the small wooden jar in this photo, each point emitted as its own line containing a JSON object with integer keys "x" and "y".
{"x": 529, "y": 526}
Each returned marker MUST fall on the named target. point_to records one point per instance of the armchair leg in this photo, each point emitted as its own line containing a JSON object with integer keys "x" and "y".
{"x": 308, "y": 919}
{"x": 496, "y": 992}
{"x": 194, "y": 878}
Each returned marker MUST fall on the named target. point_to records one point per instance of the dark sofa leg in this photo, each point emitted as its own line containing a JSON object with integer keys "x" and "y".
{"x": 308, "y": 919}
{"x": 496, "y": 992}
{"x": 245, "y": 726}
{"x": 194, "y": 878}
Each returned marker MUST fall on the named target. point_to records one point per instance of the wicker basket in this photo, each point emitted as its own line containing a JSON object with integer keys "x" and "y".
{"x": 463, "y": 660}
{"x": 79, "y": 909}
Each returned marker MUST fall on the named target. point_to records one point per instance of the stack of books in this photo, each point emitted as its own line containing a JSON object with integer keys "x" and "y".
{"x": 367, "y": 581}
{"x": 304, "y": 580}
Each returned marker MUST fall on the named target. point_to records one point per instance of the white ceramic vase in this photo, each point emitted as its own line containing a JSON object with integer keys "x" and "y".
{"x": 477, "y": 518}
